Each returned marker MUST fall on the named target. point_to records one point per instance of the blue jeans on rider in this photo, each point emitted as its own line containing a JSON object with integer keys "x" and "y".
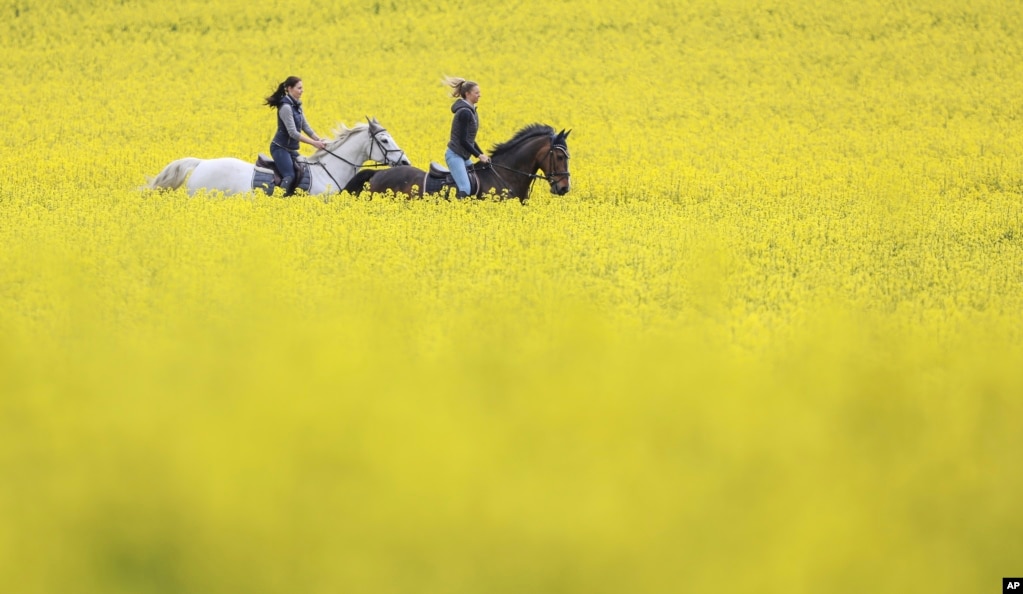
{"x": 286, "y": 166}
{"x": 459, "y": 170}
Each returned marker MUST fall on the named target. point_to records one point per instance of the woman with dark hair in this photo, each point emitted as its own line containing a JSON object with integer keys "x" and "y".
{"x": 464, "y": 127}
{"x": 291, "y": 129}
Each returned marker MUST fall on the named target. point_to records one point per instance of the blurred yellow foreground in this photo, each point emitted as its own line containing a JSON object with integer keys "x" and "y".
{"x": 771, "y": 342}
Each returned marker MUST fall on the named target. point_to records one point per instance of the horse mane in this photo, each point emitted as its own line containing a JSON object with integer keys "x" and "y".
{"x": 341, "y": 134}
{"x": 524, "y": 135}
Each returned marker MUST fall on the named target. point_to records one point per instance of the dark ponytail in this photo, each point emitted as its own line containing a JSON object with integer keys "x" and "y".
{"x": 275, "y": 99}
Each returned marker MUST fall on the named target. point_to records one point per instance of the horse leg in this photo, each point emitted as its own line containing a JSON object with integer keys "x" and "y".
{"x": 400, "y": 180}
{"x": 358, "y": 183}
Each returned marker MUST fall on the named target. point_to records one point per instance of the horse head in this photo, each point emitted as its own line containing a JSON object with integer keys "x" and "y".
{"x": 555, "y": 164}
{"x": 384, "y": 149}
{"x": 535, "y": 147}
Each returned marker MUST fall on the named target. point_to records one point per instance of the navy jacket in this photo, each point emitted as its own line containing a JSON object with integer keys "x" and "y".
{"x": 287, "y": 136}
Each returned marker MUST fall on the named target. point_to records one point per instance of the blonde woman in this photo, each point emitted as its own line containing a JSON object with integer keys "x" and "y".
{"x": 464, "y": 126}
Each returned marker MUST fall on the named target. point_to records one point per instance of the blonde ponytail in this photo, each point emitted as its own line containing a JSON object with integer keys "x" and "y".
{"x": 459, "y": 86}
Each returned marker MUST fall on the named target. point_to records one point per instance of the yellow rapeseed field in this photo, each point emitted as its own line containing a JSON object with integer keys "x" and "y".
{"x": 770, "y": 342}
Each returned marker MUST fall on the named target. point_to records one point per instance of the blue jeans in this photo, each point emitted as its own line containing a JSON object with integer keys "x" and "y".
{"x": 459, "y": 170}
{"x": 283, "y": 159}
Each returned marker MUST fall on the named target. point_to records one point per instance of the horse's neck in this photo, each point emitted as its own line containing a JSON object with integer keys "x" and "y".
{"x": 339, "y": 167}
{"x": 511, "y": 167}
{"x": 354, "y": 150}
{"x": 524, "y": 159}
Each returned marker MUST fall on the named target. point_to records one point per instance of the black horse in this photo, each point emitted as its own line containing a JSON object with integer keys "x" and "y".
{"x": 510, "y": 174}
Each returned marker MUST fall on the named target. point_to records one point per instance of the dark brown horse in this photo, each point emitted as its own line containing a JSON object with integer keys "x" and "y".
{"x": 510, "y": 174}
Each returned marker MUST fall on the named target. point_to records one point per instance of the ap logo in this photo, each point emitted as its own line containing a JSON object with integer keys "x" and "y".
{"x": 1013, "y": 585}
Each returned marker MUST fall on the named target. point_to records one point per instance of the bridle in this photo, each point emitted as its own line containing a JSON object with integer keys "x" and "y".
{"x": 378, "y": 144}
{"x": 388, "y": 162}
{"x": 550, "y": 178}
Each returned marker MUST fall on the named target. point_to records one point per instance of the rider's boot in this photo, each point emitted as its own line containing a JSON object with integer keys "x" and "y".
{"x": 287, "y": 184}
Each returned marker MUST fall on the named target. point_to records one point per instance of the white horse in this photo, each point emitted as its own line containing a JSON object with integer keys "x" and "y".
{"x": 330, "y": 169}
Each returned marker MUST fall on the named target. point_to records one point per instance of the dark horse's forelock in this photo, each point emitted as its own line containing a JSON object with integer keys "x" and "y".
{"x": 528, "y": 133}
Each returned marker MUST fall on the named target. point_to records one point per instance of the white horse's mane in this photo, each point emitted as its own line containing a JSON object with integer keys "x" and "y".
{"x": 341, "y": 135}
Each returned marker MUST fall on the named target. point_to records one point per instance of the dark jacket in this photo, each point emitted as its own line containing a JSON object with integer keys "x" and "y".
{"x": 287, "y": 136}
{"x": 463, "y": 130}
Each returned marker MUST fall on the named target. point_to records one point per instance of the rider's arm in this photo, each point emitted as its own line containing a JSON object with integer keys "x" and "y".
{"x": 289, "y": 125}
{"x": 463, "y": 117}
{"x": 285, "y": 113}
{"x": 309, "y": 140}
{"x": 309, "y": 131}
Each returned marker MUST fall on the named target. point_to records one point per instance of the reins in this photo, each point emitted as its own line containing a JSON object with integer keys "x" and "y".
{"x": 356, "y": 166}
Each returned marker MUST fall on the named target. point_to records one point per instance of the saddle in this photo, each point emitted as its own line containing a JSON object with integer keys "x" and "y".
{"x": 266, "y": 176}
{"x": 439, "y": 171}
{"x": 438, "y": 179}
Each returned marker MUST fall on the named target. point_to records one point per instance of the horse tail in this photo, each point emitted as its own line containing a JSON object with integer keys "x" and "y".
{"x": 358, "y": 183}
{"x": 174, "y": 174}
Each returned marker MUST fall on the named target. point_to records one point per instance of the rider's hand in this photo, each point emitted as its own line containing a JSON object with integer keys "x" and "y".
{"x": 484, "y": 159}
